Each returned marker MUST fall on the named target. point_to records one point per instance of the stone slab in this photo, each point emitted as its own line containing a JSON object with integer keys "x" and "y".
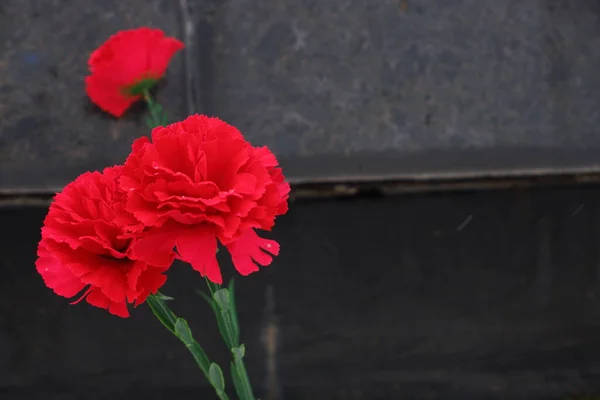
{"x": 361, "y": 90}
{"x": 485, "y": 295}
{"x": 342, "y": 90}
{"x": 49, "y": 131}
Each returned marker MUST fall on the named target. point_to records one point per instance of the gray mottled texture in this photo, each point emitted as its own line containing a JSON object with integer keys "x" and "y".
{"x": 339, "y": 89}
{"x": 437, "y": 85}
{"x": 49, "y": 131}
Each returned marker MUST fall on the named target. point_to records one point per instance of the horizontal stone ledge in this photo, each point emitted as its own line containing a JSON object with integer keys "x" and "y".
{"x": 339, "y": 90}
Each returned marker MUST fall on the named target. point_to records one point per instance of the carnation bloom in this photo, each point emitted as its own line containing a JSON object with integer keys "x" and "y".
{"x": 128, "y": 63}
{"x": 198, "y": 182}
{"x": 85, "y": 247}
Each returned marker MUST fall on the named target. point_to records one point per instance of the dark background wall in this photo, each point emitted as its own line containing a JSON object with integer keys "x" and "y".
{"x": 473, "y": 295}
{"x": 445, "y": 295}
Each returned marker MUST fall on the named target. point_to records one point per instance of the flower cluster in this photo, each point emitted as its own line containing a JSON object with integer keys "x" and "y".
{"x": 113, "y": 234}
{"x": 110, "y": 237}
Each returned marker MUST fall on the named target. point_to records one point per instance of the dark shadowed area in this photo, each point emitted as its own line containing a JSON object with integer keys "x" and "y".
{"x": 474, "y": 295}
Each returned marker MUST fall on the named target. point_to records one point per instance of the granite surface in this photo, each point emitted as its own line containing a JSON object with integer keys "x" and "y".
{"x": 340, "y": 89}
{"x": 49, "y": 130}
{"x": 411, "y": 86}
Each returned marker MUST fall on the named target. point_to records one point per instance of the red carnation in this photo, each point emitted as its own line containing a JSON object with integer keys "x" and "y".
{"x": 128, "y": 63}
{"x": 86, "y": 244}
{"x": 198, "y": 181}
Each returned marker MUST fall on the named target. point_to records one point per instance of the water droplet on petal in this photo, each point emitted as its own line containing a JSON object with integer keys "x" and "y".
{"x": 268, "y": 246}
{"x": 45, "y": 269}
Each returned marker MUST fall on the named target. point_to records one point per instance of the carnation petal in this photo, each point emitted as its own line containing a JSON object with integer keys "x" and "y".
{"x": 155, "y": 246}
{"x": 161, "y": 54}
{"x": 150, "y": 281}
{"x": 133, "y": 276}
{"x": 86, "y": 242}
{"x": 119, "y": 309}
{"x": 98, "y": 299}
{"x": 247, "y": 251}
{"x": 244, "y": 183}
{"x": 56, "y": 275}
{"x": 110, "y": 279}
{"x": 266, "y": 157}
{"x": 198, "y": 246}
{"x": 107, "y": 95}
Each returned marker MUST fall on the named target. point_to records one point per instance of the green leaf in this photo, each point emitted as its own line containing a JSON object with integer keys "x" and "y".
{"x": 226, "y": 324}
{"x": 180, "y": 329}
{"x": 220, "y": 316}
{"x": 183, "y": 331}
{"x": 221, "y": 297}
{"x": 149, "y": 121}
{"x": 164, "y": 119}
{"x": 212, "y": 286}
{"x": 163, "y": 297}
{"x": 200, "y": 356}
{"x": 206, "y": 297}
{"x": 238, "y": 352}
{"x": 138, "y": 88}
{"x": 239, "y": 374}
{"x": 233, "y": 312}
{"x": 238, "y": 385}
{"x": 162, "y": 312}
{"x": 215, "y": 375}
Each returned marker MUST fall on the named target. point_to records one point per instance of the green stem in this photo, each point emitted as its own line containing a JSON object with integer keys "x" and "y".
{"x": 245, "y": 389}
{"x": 157, "y": 117}
{"x": 179, "y": 328}
{"x": 224, "y": 317}
{"x": 225, "y": 312}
